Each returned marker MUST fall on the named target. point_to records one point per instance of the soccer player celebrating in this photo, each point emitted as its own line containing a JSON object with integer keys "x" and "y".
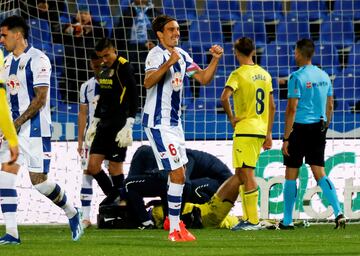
{"x": 6, "y": 125}
{"x": 165, "y": 68}
{"x": 254, "y": 109}
{"x": 110, "y": 133}
{"x": 27, "y": 72}
{"x": 89, "y": 96}
{"x": 307, "y": 118}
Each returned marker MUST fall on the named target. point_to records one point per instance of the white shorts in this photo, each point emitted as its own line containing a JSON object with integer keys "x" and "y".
{"x": 168, "y": 145}
{"x": 34, "y": 153}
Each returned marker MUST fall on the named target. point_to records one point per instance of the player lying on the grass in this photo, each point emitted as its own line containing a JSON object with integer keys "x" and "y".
{"x": 204, "y": 174}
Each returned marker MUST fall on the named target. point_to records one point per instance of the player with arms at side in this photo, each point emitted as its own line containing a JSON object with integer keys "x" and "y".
{"x": 7, "y": 128}
{"x": 89, "y": 96}
{"x": 307, "y": 118}
{"x": 165, "y": 68}
{"x": 110, "y": 133}
{"x": 27, "y": 72}
{"x": 254, "y": 107}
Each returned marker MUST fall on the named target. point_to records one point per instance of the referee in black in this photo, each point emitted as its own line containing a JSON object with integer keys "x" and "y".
{"x": 114, "y": 117}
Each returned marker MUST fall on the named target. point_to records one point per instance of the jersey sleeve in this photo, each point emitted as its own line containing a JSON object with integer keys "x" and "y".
{"x": 154, "y": 60}
{"x": 294, "y": 87}
{"x": 41, "y": 69}
{"x": 128, "y": 79}
{"x": 233, "y": 81}
{"x": 83, "y": 98}
{"x": 191, "y": 66}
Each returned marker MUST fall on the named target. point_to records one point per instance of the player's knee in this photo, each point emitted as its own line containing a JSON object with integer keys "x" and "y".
{"x": 37, "y": 178}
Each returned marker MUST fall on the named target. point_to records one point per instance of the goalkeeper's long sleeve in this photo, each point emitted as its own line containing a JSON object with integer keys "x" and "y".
{"x": 6, "y": 123}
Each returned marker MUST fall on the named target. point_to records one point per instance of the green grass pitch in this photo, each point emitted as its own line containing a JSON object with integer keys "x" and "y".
{"x": 315, "y": 240}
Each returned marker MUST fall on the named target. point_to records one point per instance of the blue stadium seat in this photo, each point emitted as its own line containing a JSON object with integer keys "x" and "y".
{"x": 270, "y": 10}
{"x": 337, "y": 30}
{"x": 326, "y": 57}
{"x": 308, "y": 10}
{"x": 230, "y": 61}
{"x": 206, "y": 32}
{"x": 59, "y": 53}
{"x": 252, "y": 27}
{"x": 39, "y": 32}
{"x": 352, "y": 67}
{"x": 223, "y": 10}
{"x": 291, "y": 30}
{"x": 180, "y": 9}
{"x": 347, "y": 8}
{"x": 278, "y": 59}
{"x": 196, "y": 52}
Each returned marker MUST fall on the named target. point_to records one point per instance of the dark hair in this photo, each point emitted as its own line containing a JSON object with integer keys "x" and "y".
{"x": 103, "y": 43}
{"x": 16, "y": 22}
{"x": 244, "y": 45}
{"x": 160, "y": 21}
{"x": 306, "y": 47}
{"x": 93, "y": 56}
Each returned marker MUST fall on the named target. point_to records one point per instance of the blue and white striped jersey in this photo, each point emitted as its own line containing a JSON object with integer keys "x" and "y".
{"x": 31, "y": 69}
{"x": 163, "y": 101}
{"x": 89, "y": 95}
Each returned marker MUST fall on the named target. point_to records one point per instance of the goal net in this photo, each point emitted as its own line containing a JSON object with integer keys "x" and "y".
{"x": 275, "y": 26}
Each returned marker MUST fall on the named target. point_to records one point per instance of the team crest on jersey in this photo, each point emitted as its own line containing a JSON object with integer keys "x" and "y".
{"x": 177, "y": 81}
{"x": 308, "y": 85}
{"x": 13, "y": 84}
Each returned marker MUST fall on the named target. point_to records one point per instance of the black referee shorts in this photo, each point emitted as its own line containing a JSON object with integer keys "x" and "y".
{"x": 306, "y": 140}
{"x": 104, "y": 142}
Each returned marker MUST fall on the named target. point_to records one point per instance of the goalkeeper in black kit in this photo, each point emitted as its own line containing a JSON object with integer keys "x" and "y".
{"x": 110, "y": 133}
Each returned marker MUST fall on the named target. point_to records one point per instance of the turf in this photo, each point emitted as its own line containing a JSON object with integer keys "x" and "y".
{"x": 315, "y": 240}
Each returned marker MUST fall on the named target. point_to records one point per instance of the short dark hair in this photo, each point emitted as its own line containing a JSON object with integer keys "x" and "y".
{"x": 306, "y": 47}
{"x": 244, "y": 45}
{"x": 160, "y": 21}
{"x": 16, "y": 22}
{"x": 103, "y": 43}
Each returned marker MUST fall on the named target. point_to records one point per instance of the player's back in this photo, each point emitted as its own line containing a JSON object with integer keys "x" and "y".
{"x": 24, "y": 73}
{"x": 251, "y": 86}
{"x": 313, "y": 85}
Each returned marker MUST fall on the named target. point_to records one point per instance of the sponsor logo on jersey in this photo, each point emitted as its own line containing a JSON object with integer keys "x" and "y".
{"x": 13, "y": 84}
{"x": 177, "y": 81}
{"x": 308, "y": 85}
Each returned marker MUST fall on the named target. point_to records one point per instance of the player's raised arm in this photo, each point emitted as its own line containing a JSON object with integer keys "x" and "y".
{"x": 206, "y": 75}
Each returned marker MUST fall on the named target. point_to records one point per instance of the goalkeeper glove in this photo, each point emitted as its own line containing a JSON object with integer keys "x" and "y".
{"x": 124, "y": 136}
{"x": 91, "y": 131}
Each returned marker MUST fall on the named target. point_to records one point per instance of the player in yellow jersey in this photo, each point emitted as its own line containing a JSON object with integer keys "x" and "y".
{"x": 6, "y": 124}
{"x": 254, "y": 107}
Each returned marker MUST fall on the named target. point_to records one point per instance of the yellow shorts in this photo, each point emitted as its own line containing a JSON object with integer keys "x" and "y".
{"x": 246, "y": 151}
{"x": 214, "y": 213}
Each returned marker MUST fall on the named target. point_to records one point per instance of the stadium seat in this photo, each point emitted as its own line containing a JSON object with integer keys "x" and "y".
{"x": 206, "y": 32}
{"x": 337, "y": 30}
{"x": 269, "y": 10}
{"x": 326, "y": 57}
{"x": 39, "y": 32}
{"x": 354, "y": 60}
{"x": 347, "y": 8}
{"x": 291, "y": 30}
{"x": 278, "y": 59}
{"x": 219, "y": 9}
{"x": 252, "y": 27}
{"x": 230, "y": 61}
{"x": 182, "y": 10}
{"x": 308, "y": 10}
